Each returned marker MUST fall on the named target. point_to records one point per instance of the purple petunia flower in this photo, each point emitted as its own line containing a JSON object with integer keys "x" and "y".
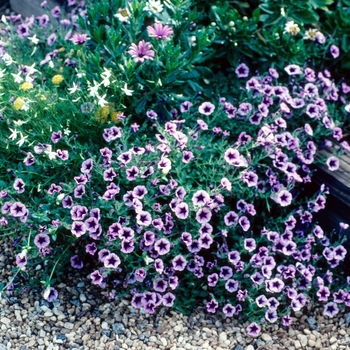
{"x": 229, "y": 310}
{"x": 333, "y": 163}
{"x": 54, "y": 189}
{"x": 231, "y": 285}
{"x": 284, "y": 198}
{"x": 271, "y": 315}
{"x": 225, "y": 272}
{"x": 330, "y": 309}
{"x": 91, "y": 248}
{"x": 244, "y": 223}
{"x": 253, "y": 330}
{"x": 18, "y": 210}
{"x": 127, "y": 247}
{"x": 162, "y": 246}
{"x": 212, "y": 305}
{"x": 168, "y": 299}
{"x": 334, "y": 50}
{"x": 261, "y": 301}
{"x": 185, "y": 106}
{"x": 206, "y": 108}
{"x": 179, "y": 263}
{"x": 41, "y": 240}
{"x": 234, "y": 257}
{"x": 87, "y": 166}
{"x": 159, "y": 31}
{"x": 43, "y": 20}
{"x": 203, "y": 215}
{"x": 21, "y": 259}
{"x": 293, "y": 69}
{"x": 109, "y": 174}
{"x": 274, "y": 285}
{"x": 250, "y": 178}
{"x": 19, "y": 185}
{"x": 141, "y": 52}
{"x": 111, "y": 134}
{"x": 51, "y": 39}
{"x": 143, "y": 218}
{"x": 76, "y": 262}
{"x": 50, "y": 294}
{"x": 160, "y": 285}
{"x": 23, "y": 31}
{"x": 96, "y": 277}
{"x": 242, "y": 71}
{"x": 78, "y": 228}
{"x": 111, "y": 261}
{"x": 56, "y": 136}
{"x": 67, "y": 202}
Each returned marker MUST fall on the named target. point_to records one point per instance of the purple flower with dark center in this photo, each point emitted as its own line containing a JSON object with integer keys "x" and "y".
{"x": 244, "y": 108}
{"x": 23, "y": 31}
{"x": 234, "y": 257}
{"x": 242, "y": 71}
{"x": 21, "y": 259}
{"x": 141, "y": 52}
{"x": 293, "y": 69}
{"x": 287, "y": 320}
{"x": 330, "y": 309}
{"x": 194, "y": 246}
{"x": 41, "y": 240}
{"x": 18, "y": 209}
{"x": 54, "y": 188}
{"x": 271, "y": 316}
{"x": 132, "y": 172}
{"x": 179, "y": 263}
{"x": 91, "y": 224}
{"x": 50, "y": 294}
{"x": 212, "y": 305}
{"x": 82, "y": 179}
{"x": 140, "y": 274}
{"x": 64, "y": 155}
{"x": 231, "y": 285}
{"x": 102, "y": 254}
{"x": 56, "y": 136}
{"x": 29, "y": 159}
{"x": 205, "y": 240}
{"x": 203, "y": 215}
{"x": 323, "y": 293}
{"x": 257, "y": 278}
{"x": 127, "y": 247}
{"x": 185, "y": 106}
{"x": 186, "y": 238}
{"x": 230, "y": 218}
{"x": 79, "y": 39}
{"x": 78, "y": 228}
{"x": 111, "y": 261}
{"x": 137, "y": 300}
{"x": 229, "y": 310}
{"x": 139, "y": 191}
{"x": 200, "y": 198}
{"x": 159, "y": 265}
{"x": 109, "y": 174}
{"x": 159, "y": 31}
{"x": 96, "y": 277}
{"x": 79, "y": 191}
{"x": 284, "y": 198}
{"x": 226, "y": 272}
{"x": 339, "y": 252}
{"x": 143, "y": 218}
{"x": 111, "y": 134}
{"x": 168, "y": 299}
{"x": 261, "y": 301}
{"x": 91, "y": 248}
{"x": 76, "y": 262}
{"x": 87, "y": 166}
{"x": 206, "y": 108}
{"x": 244, "y": 223}
{"x": 213, "y": 279}
{"x": 160, "y": 285}
{"x": 313, "y": 111}
{"x": 274, "y": 285}
{"x": 181, "y": 210}
{"x": 43, "y": 20}
{"x": 19, "y": 185}
{"x": 253, "y": 330}
{"x": 125, "y": 232}
{"x": 187, "y": 156}
{"x": 242, "y": 294}
{"x": 333, "y": 163}
{"x": 162, "y": 246}
{"x": 334, "y": 50}
{"x": 125, "y": 157}
{"x": 56, "y": 12}
{"x": 51, "y": 39}
{"x": 273, "y": 303}
{"x": 206, "y": 229}
{"x": 65, "y": 23}
{"x": 250, "y": 178}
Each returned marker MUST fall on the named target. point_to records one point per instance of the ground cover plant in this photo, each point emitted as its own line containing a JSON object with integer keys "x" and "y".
{"x": 124, "y": 159}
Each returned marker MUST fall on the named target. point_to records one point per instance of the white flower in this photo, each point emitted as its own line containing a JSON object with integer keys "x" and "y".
{"x": 148, "y": 260}
{"x": 123, "y": 15}
{"x": 127, "y": 91}
{"x": 13, "y": 136}
{"x": 21, "y": 140}
{"x": 7, "y": 59}
{"x": 93, "y": 90}
{"x": 291, "y": 28}
{"x": 101, "y": 100}
{"x": 311, "y": 34}
{"x": 18, "y": 79}
{"x": 2, "y": 73}
{"x": 154, "y": 6}
{"x": 34, "y": 39}
{"x": 73, "y": 89}
{"x": 106, "y": 74}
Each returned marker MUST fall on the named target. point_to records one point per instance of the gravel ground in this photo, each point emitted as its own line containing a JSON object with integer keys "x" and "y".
{"x": 83, "y": 317}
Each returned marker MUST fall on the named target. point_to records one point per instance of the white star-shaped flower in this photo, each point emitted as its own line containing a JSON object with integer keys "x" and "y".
{"x": 127, "y": 91}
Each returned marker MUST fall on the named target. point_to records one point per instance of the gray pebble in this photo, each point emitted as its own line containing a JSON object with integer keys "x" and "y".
{"x": 75, "y": 302}
{"x": 81, "y": 285}
{"x": 311, "y": 321}
{"x": 61, "y": 337}
{"x": 238, "y": 347}
{"x": 118, "y": 328}
{"x": 347, "y": 318}
{"x": 106, "y": 332}
{"x": 3, "y": 347}
{"x": 44, "y": 303}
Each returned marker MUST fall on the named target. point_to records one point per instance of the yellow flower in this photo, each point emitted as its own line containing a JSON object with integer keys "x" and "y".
{"x": 18, "y": 103}
{"x": 26, "y": 86}
{"x": 57, "y": 79}
{"x": 115, "y": 116}
{"x": 61, "y": 49}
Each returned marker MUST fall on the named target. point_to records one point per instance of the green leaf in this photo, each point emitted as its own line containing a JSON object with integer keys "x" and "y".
{"x": 305, "y": 16}
{"x": 320, "y": 3}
